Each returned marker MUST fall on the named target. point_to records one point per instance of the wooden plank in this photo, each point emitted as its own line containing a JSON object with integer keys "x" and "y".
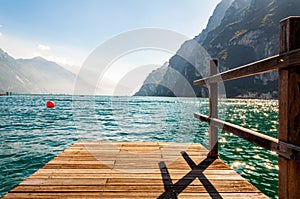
{"x": 92, "y": 162}
{"x": 223, "y": 195}
{"x": 289, "y": 109}
{"x": 77, "y": 166}
{"x": 127, "y": 194}
{"x": 190, "y": 189}
{"x": 247, "y": 134}
{"x": 285, "y": 149}
{"x": 55, "y": 188}
{"x": 58, "y": 195}
{"x": 276, "y": 62}
{"x": 74, "y": 175}
{"x": 64, "y": 181}
{"x": 230, "y": 184}
{"x": 67, "y": 171}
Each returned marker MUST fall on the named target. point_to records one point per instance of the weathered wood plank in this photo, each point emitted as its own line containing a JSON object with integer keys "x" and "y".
{"x": 77, "y": 166}
{"x": 289, "y": 109}
{"x": 43, "y": 171}
{"x": 213, "y": 111}
{"x": 64, "y": 181}
{"x": 276, "y": 62}
{"x": 57, "y": 195}
{"x": 285, "y": 149}
{"x": 223, "y": 195}
{"x": 55, "y": 188}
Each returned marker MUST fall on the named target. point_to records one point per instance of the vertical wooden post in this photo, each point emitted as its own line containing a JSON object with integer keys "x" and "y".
{"x": 213, "y": 111}
{"x": 289, "y": 109}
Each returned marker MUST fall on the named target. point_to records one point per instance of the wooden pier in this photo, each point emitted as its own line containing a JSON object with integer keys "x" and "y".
{"x": 177, "y": 170}
{"x": 135, "y": 170}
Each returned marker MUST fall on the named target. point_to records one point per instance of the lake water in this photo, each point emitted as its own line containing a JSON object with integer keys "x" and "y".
{"x": 31, "y": 134}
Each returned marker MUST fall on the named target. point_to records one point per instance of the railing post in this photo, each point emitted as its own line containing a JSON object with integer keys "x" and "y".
{"x": 213, "y": 111}
{"x": 289, "y": 109}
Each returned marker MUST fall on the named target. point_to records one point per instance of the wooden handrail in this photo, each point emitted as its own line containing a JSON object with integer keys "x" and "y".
{"x": 288, "y": 143}
{"x": 284, "y": 149}
{"x": 276, "y": 62}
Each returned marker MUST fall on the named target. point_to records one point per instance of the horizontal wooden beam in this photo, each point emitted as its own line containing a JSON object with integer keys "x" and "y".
{"x": 276, "y": 62}
{"x": 287, "y": 150}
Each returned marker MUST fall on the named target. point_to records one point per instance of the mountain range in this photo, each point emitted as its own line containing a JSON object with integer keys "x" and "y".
{"x": 238, "y": 32}
{"x": 36, "y": 75}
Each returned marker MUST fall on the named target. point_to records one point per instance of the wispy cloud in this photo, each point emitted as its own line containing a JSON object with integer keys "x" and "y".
{"x": 0, "y": 34}
{"x": 44, "y": 47}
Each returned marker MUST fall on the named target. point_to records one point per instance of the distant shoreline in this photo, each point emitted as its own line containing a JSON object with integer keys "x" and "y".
{"x": 96, "y": 95}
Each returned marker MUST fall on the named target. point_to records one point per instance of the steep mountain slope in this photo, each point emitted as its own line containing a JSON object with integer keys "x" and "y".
{"x": 47, "y": 76}
{"x": 215, "y": 20}
{"x": 10, "y": 78}
{"x": 154, "y": 78}
{"x": 35, "y": 75}
{"x": 249, "y": 31}
{"x": 190, "y": 61}
{"x": 246, "y": 35}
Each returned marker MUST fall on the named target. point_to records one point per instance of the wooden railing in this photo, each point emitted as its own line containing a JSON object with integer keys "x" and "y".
{"x": 287, "y": 145}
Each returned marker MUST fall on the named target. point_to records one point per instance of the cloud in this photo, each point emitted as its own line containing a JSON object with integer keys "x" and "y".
{"x": 0, "y": 34}
{"x": 44, "y": 47}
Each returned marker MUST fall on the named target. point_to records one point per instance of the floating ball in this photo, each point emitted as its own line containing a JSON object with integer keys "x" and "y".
{"x": 50, "y": 104}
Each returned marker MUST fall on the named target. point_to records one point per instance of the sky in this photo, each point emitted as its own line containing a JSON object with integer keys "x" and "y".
{"x": 68, "y": 31}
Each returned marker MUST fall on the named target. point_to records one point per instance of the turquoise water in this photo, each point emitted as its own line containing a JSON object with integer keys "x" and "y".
{"x": 31, "y": 135}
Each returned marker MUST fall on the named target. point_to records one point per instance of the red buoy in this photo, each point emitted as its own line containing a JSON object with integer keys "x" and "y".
{"x": 50, "y": 104}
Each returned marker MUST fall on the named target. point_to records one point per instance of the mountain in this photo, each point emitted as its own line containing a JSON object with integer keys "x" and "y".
{"x": 248, "y": 31}
{"x": 215, "y": 20}
{"x": 149, "y": 85}
{"x": 35, "y": 75}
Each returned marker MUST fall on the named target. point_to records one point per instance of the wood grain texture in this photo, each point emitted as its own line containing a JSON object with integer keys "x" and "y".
{"x": 131, "y": 170}
{"x": 277, "y": 62}
{"x": 289, "y": 109}
{"x": 213, "y": 111}
{"x": 283, "y": 148}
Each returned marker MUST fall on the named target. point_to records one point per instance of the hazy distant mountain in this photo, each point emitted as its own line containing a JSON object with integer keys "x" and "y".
{"x": 11, "y": 79}
{"x": 72, "y": 68}
{"x": 239, "y": 32}
{"x": 35, "y": 75}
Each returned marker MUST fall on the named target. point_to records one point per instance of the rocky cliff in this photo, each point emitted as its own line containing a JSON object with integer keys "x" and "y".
{"x": 248, "y": 31}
